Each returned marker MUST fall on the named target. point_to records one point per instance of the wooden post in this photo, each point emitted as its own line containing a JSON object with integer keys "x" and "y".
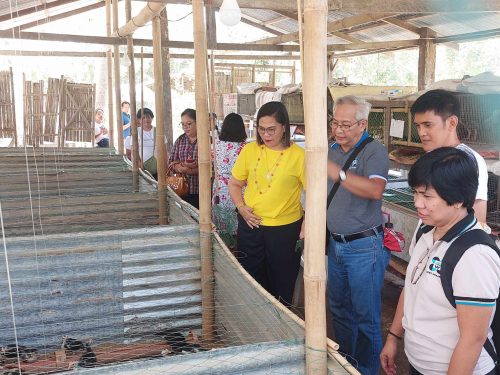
{"x": 109, "y": 63}
{"x": 118, "y": 91}
{"x": 204, "y": 167}
{"x": 315, "y": 118}
{"x": 133, "y": 106}
{"x": 12, "y": 98}
{"x": 167, "y": 93}
{"x": 426, "y": 59}
{"x": 161, "y": 152}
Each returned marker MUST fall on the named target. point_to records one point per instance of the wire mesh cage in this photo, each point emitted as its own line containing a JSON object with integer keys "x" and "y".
{"x": 101, "y": 294}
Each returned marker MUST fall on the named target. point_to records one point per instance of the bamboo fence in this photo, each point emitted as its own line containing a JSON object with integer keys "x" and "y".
{"x": 7, "y": 106}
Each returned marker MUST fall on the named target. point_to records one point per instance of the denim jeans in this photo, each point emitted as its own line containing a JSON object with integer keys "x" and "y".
{"x": 355, "y": 279}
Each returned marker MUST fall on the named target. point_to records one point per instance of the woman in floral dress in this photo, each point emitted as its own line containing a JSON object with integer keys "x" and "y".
{"x": 228, "y": 146}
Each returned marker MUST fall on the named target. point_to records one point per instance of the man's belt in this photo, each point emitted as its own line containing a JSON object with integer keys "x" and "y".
{"x": 357, "y": 236}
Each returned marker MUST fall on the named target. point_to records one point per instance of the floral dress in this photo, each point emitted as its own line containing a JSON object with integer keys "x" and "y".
{"x": 223, "y": 209}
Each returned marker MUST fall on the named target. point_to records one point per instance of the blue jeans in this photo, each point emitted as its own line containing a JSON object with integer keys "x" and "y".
{"x": 355, "y": 279}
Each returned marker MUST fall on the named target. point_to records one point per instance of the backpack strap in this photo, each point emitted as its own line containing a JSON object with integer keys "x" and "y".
{"x": 463, "y": 243}
{"x": 423, "y": 228}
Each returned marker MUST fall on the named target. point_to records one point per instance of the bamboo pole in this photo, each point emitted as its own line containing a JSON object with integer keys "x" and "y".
{"x": 150, "y": 11}
{"x": 315, "y": 116}
{"x": 118, "y": 92}
{"x": 12, "y": 98}
{"x": 161, "y": 151}
{"x": 133, "y": 106}
{"x": 202, "y": 121}
{"x": 167, "y": 92}
{"x": 109, "y": 62}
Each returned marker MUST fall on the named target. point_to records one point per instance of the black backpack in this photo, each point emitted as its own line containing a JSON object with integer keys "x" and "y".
{"x": 464, "y": 242}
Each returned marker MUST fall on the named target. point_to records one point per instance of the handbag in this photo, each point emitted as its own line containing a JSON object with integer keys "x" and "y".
{"x": 393, "y": 240}
{"x": 336, "y": 185}
{"x": 177, "y": 181}
{"x": 150, "y": 165}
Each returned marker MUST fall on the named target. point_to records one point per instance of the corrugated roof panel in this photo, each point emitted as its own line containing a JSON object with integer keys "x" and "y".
{"x": 453, "y": 24}
{"x": 383, "y": 33}
{"x": 287, "y": 25}
{"x": 336, "y": 40}
{"x": 335, "y": 16}
{"x": 262, "y": 15}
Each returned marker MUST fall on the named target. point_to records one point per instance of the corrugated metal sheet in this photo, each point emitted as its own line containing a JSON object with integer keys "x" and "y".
{"x": 461, "y": 23}
{"x": 106, "y": 286}
{"x": 261, "y": 14}
{"x": 384, "y": 33}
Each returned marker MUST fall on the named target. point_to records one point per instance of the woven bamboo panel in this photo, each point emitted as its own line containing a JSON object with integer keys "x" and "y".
{"x": 76, "y": 114}
{"x": 7, "y": 106}
{"x": 33, "y": 113}
{"x": 51, "y": 109}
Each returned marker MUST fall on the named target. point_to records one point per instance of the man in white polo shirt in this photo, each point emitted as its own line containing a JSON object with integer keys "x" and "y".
{"x": 437, "y": 116}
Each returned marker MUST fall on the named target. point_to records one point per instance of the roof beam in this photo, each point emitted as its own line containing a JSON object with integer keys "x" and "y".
{"x": 374, "y": 45}
{"x": 403, "y": 25}
{"x": 38, "y": 8}
{"x": 15, "y": 53}
{"x": 103, "y": 40}
{"x": 59, "y": 16}
{"x": 346, "y": 37}
{"x": 250, "y": 21}
{"x": 345, "y": 23}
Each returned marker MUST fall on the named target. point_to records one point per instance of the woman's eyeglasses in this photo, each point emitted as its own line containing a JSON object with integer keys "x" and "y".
{"x": 187, "y": 125}
{"x": 271, "y": 130}
{"x": 419, "y": 269}
{"x": 344, "y": 126}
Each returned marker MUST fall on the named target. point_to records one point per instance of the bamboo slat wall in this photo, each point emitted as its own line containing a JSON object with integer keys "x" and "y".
{"x": 52, "y": 109}
{"x": 76, "y": 114}
{"x": 33, "y": 113}
{"x": 7, "y": 106}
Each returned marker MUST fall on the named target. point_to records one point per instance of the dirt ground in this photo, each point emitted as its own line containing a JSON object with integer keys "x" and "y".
{"x": 390, "y": 295}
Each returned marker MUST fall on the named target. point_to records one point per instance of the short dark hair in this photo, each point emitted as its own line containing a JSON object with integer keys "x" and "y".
{"x": 146, "y": 111}
{"x": 442, "y": 102}
{"x": 280, "y": 114}
{"x": 453, "y": 173}
{"x": 191, "y": 113}
{"x": 125, "y": 102}
{"x": 233, "y": 129}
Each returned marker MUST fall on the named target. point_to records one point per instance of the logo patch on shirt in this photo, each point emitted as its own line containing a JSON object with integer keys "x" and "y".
{"x": 354, "y": 164}
{"x": 435, "y": 266}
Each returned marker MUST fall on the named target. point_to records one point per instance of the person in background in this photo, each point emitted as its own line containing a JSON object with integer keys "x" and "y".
{"x": 184, "y": 155}
{"x": 100, "y": 131}
{"x": 437, "y": 116}
{"x": 126, "y": 119}
{"x": 227, "y": 148}
{"x": 441, "y": 339}
{"x": 270, "y": 215}
{"x": 146, "y": 139}
{"x": 356, "y": 256}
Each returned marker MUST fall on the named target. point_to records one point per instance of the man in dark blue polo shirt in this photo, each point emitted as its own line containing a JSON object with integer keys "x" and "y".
{"x": 356, "y": 256}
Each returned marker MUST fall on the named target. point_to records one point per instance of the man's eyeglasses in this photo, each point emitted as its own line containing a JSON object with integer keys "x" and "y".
{"x": 344, "y": 126}
{"x": 271, "y": 130}
{"x": 419, "y": 269}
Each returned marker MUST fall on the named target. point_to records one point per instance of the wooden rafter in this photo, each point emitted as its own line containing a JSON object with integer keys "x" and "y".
{"x": 345, "y": 23}
{"x": 403, "y": 25}
{"x": 257, "y": 24}
{"x": 374, "y": 45}
{"x": 55, "y": 17}
{"x": 34, "y": 9}
{"x": 346, "y": 36}
{"x": 102, "y": 40}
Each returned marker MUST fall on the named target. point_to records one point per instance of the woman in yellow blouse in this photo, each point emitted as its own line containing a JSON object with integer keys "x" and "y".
{"x": 269, "y": 212}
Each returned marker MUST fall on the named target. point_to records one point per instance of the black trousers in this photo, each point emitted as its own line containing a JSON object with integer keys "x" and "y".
{"x": 268, "y": 254}
{"x": 193, "y": 200}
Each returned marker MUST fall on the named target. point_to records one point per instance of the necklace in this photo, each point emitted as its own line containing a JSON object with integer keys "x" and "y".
{"x": 270, "y": 172}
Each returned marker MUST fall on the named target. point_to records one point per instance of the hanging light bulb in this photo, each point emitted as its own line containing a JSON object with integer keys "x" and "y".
{"x": 230, "y": 12}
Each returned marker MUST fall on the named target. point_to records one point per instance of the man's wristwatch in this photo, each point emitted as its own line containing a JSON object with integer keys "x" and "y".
{"x": 342, "y": 176}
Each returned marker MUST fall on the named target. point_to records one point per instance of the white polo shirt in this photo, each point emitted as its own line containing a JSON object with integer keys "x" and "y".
{"x": 429, "y": 320}
{"x": 482, "y": 188}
